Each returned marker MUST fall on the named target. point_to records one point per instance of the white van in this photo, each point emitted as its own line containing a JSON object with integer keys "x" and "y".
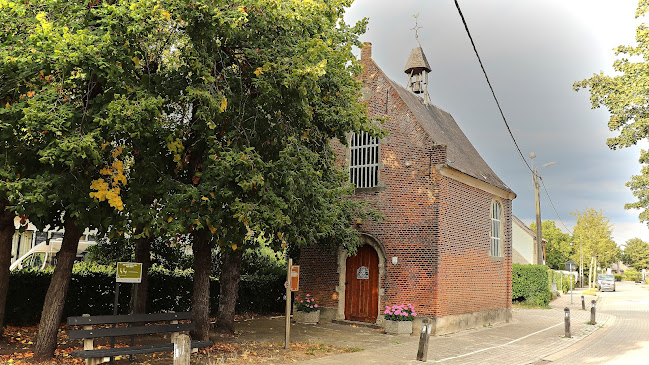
{"x": 44, "y": 254}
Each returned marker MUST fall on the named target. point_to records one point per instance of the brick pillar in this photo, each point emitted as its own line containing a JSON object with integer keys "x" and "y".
{"x": 366, "y": 51}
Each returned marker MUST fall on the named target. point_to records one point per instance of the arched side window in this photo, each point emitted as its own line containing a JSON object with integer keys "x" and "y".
{"x": 364, "y": 160}
{"x": 496, "y": 228}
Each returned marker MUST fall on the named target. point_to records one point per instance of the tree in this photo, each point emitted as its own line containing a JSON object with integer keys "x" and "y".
{"x": 75, "y": 83}
{"x": 636, "y": 254}
{"x": 557, "y": 248}
{"x": 593, "y": 231}
{"x": 625, "y": 96}
{"x": 263, "y": 88}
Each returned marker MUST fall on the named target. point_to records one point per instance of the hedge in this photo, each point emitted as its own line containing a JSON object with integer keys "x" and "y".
{"x": 92, "y": 291}
{"x": 530, "y": 284}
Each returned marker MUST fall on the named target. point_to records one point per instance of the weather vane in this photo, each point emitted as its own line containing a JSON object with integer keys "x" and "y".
{"x": 416, "y": 27}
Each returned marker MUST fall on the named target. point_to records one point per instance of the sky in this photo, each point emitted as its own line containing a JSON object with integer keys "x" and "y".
{"x": 533, "y": 52}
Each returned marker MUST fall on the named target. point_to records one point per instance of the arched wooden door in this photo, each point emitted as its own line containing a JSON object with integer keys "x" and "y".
{"x": 362, "y": 285}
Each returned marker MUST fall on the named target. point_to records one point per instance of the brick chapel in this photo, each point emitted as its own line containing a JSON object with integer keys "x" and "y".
{"x": 445, "y": 244}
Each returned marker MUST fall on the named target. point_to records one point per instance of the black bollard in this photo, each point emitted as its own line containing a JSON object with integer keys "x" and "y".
{"x": 424, "y": 337}
{"x": 567, "y": 321}
{"x": 592, "y": 312}
{"x": 583, "y": 303}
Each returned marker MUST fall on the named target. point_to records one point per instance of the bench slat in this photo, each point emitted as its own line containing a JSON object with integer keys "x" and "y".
{"x": 128, "y": 318}
{"x": 144, "y": 349}
{"x": 127, "y": 331}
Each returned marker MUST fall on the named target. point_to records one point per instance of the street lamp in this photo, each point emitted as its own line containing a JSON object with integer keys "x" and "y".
{"x": 539, "y": 236}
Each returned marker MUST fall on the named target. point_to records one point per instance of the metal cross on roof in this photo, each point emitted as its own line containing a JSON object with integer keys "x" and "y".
{"x": 416, "y": 27}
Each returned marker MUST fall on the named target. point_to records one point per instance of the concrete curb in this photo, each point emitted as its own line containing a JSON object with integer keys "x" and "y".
{"x": 608, "y": 323}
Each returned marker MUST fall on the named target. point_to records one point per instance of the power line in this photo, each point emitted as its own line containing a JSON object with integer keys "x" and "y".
{"x": 502, "y": 114}
{"x": 553, "y": 207}
{"x": 490, "y": 87}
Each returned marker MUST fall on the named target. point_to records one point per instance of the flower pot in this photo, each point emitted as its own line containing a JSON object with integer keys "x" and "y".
{"x": 307, "y": 317}
{"x": 398, "y": 327}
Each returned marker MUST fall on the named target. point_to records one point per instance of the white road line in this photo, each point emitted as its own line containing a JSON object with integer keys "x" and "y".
{"x": 495, "y": 347}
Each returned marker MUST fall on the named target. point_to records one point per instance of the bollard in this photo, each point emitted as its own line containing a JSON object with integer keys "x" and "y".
{"x": 567, "y": 321}
{"x": 592, "y": 312}
{"x": 583, "y": 303}
{"x": 424, "y": 337}
{"x": 182, "y": 350}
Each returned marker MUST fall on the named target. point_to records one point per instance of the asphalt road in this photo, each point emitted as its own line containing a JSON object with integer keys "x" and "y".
{"x": 625, "y": 340}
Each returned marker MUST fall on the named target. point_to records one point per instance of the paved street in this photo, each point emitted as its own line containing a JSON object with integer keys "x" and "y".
{"x": 533, "y": 336}
{"x": 626, "y": 341}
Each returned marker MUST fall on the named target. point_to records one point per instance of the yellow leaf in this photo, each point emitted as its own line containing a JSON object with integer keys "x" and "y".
{"x": 224, "y": 104}
{"x": 136, "y": 61}
{"x": 259, "y": 71}
{"x": 212, "y": 229}
{"x": 205, "y": 198}
{"x": 234, "y": 247}
{"x": 30, "y": 94}
{"x": 170, "y": 219}
{"x": 8, "y": 105}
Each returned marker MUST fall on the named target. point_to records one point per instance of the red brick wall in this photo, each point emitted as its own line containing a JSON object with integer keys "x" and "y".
{"x": 469, "y": 279}
{"x": 319, "y": 274}
{"x": 438, "y": 228}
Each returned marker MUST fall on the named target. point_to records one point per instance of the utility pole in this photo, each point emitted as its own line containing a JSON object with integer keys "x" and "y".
{"x": 538, "y": 252}
{"x": 539, "y": 233}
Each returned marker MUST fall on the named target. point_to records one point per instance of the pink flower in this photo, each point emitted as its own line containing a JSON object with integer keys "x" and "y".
{"x": 308, "y": 295}
{"x": 414, "y": 314}
{"x": 387, "y": 311}
{"x": 315, "y": 306}
{"x": 404, "y": 314}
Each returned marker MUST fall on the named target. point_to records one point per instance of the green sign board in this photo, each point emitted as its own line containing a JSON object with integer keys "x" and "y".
{"x": 129, "y": 272}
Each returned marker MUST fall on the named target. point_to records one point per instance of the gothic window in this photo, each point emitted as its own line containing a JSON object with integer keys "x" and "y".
{"x": 496, "y": 228}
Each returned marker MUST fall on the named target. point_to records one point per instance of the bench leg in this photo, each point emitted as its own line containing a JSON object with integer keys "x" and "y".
{"x": 182, "y": 350}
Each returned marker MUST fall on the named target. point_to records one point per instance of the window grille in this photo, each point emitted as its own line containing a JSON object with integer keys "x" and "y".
{"x": 364, "y": 160}
{"x": 495, "y": 229}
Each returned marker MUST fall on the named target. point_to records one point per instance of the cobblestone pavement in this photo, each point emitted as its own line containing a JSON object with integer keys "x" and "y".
{"x": 530, "y": 336}
{"x": 533, "y": 336}
{"x": 625, "y": 342}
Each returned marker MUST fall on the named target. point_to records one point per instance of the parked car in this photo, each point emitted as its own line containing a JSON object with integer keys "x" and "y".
{"x": 606, "y": 282}
{"x": 44, "y": 254}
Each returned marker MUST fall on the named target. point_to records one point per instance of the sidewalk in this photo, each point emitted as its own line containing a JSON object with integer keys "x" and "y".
{"x": 531, "y": 336}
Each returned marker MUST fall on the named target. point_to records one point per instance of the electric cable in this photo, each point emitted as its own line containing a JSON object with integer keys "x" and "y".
{"x": 553, "y": 207}
{"x": 502, "y": 114}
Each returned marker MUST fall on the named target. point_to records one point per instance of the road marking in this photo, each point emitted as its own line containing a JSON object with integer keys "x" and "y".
{"x": 495, "y": 347}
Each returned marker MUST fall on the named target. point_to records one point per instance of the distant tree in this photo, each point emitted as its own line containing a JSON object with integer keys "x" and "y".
{"x": 593, "y": 231}
{"x": 636, "y": 254}
{"x": 557, "y": 248}
{"x": 625, "y": 95}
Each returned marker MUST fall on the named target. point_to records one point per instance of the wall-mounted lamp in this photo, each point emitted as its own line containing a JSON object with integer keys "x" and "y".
{"x": 394, "y": 260}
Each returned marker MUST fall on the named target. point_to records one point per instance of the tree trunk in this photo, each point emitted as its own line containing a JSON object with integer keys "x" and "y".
{"x": 143, "y": 256}
{"x": 229, "y": 291}
{"x": 56, "y": 293}
{"x": 201, "y": 296}
{"x": 6, "y": 233}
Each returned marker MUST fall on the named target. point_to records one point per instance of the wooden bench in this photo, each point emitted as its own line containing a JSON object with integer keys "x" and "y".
{"x": 139, "y": 324}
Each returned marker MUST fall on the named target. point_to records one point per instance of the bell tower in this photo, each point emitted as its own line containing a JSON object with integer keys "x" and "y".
{"x": 417, "y": 68}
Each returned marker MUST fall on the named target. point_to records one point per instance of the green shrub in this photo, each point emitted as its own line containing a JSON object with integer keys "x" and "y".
{"x": 618, "y": 277}
{"x": 530, "y": 284}
{"x": 562, "y": 280}
{"x": 92, "y": 291}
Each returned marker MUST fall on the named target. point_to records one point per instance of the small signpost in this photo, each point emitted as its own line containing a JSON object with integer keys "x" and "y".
{"x": 129, "y": 272}
{"x": 292, "y": 284}
{"x": 571, "y": 266}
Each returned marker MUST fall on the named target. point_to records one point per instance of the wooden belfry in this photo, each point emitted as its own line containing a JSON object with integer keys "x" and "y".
{"x": 418, "y": 68}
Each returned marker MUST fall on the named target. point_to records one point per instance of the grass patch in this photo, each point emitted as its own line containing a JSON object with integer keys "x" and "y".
{"x": 528, "y": 305}
{"x": 352, "y": 349}
{"x": 313, "y": 349}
